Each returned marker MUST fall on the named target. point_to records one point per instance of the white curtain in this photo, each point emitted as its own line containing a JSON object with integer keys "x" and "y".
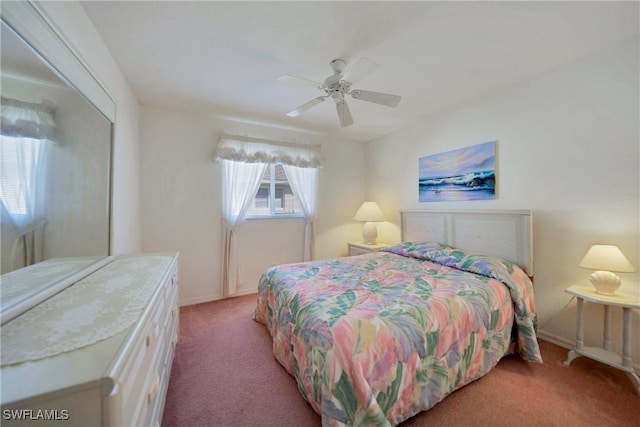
{"x": 240, "y": 183}
{"x": 24, "y": 129}
{"x": 304, "y": 184}
{"x": 244, "y": 160}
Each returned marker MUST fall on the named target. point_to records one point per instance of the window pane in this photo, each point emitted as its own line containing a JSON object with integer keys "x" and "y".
{"x": 260, "y": 204}
{"x": 262, "y": 198}
{"x": 283, "y": 203}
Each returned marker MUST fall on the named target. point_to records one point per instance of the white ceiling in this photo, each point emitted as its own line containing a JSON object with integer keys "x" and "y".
{"x": 226, "y": 57}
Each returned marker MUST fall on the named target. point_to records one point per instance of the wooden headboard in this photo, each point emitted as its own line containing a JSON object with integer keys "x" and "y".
{"x": 504, "y": 233}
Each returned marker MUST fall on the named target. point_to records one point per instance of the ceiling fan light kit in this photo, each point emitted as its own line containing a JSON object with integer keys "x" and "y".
{"x": 338, "y": 85}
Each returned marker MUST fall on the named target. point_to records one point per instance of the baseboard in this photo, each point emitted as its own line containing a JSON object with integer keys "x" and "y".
{"x": 245, "y": 292}
{"x": 210, "y": 298}
{"x": 556, "y": 339}
{"x": 569, "y": 344}
{"x": 199, "y": 300}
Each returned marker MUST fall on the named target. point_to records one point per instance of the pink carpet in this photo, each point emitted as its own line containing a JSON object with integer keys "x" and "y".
{"x": 224, "y": 375}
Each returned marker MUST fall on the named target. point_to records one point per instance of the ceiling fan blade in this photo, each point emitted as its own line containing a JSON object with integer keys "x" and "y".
{"x": 344, "y": 113}
{"x": 300, "y": 80}
{"x": 359, "y": 69}
{"x": 377, "y": 97}
{"x": 304, "y": 107}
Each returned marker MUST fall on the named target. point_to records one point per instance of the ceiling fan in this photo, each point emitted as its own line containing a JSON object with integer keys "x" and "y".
{"x": 337, "y": 85}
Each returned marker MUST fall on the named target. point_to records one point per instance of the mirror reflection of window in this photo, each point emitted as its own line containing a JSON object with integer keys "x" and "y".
{"x": 25, "y": 131}
{"x": 55, "y": 163}
{"x": 19, "y": 159}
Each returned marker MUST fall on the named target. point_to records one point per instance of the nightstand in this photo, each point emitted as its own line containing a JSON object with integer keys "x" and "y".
{"x": 359, "y": 248}
{"x": 604, "y": 354}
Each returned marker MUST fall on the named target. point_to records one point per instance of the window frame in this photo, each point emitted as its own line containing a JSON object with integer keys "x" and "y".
{"x": 271, "y": 167}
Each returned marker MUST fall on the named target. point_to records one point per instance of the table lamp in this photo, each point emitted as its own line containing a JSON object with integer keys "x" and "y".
{"x": 370, "y": 213}
{"x": 606, "y": 259}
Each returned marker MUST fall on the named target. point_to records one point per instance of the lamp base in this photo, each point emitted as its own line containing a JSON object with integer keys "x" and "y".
{"x": 605, "y": 282}
{"x": 369, "y": 233}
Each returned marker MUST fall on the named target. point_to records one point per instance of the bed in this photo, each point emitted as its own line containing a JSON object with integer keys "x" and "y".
{"x": 377, "y": 338}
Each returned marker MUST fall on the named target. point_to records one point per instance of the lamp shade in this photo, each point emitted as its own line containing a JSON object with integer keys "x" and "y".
{"x": 607, "y": 258}
{"x": 369, "y": 212}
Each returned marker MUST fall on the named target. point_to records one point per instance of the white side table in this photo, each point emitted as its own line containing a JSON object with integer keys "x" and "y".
{"x": 359, "y": 248}
{"x": 605, "y": 354}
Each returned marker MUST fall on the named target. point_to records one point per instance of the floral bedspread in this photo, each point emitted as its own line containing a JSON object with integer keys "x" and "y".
{"x": 374, "y": 339}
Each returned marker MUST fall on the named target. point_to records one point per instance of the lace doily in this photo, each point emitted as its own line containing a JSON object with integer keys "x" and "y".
{"x": 30, "y": 280}
{"x": 91, "y": 310}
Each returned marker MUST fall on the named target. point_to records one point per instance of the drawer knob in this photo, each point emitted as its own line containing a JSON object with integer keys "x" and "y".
{"x": 153, "y": 391}
{"x": 151, "y": 338}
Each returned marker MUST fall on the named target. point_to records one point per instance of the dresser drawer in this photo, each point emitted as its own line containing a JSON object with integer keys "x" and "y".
{"x": 136, "y": 379}
{"x": 156, "y": 393}
{"x": 153, "y": 394}
{"x": 132, "y": 382}
{"x": 173, "y": 316}
{"x": 156, "y": 389}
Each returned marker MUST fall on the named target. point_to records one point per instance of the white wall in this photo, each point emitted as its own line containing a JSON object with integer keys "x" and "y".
{"x": 568, "y": 148}
{"x": 181, "y": 192}
{"x": 70, "y": 19}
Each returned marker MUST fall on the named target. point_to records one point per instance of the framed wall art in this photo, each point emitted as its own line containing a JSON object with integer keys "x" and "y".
{"x": 459, "y": 175}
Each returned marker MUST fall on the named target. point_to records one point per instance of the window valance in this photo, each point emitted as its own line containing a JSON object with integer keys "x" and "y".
{"x": 253, "y": 150}
{"x": 27, "y": 120}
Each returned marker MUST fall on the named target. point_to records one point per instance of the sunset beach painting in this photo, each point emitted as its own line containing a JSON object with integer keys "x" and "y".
{"x": 459, "y": 175}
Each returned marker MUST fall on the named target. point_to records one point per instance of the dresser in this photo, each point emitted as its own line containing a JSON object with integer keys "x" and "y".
{"x": 98, "y": 353}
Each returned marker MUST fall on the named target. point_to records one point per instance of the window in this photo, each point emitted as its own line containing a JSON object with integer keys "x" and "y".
{"x": 274, "y": 197}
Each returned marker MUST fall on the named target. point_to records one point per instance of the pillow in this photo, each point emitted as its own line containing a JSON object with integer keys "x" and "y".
{"x": 474, "y": 262}
{"x": 420, "y": 250}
